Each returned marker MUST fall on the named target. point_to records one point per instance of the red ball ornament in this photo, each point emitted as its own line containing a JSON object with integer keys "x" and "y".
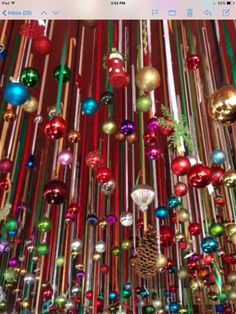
{"x": 217, "y": 175}
{"x": 73, "y": 209}
{"x": 4, "y": 184}
{"x": 227, "y": 310}
{"x": 150, "y": 138}
{"x": 104, "y": 269}
{"x": 47, "y": 292}
{"x": 42, "y": 46}
{"x": 94, "y": 160}
{"x": 183, "y": 245}
{"x": 180, "y": 165}
{"x": 173, "y": 218}
{"x": 199, "y": 176}
{"x": 166, "y": 130}
{"x": 194, "y": 229}
{"x": 170, "y": 264}
{"x": 228, "y": 259}
{"x": 192, "y": 265}
{"x": 6, "y": 165}
{"x": 140, "y": 223}
{"x": 55, "y": 192}
{"x": 172, "y": 289}
{"x": 219, "y": 201}
{"x": 166, "y": 236}
{"x": 103, "y": 175}
{"x": 55, "y": 128}
{"x": 89, "y": 294}
{"x": 193, "y": 61}
{"x": 180, "y": 189}
{"x": 208, "y": 259}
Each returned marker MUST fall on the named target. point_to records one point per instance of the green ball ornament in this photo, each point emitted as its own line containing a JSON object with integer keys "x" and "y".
{"x": 126, "y": 294}
{"x": 223, "y": 296}
{"x": 109, "y": 127}
{"x": 60, "y": 301}
{"x": 144, "y": 103}
{"x": 116, "y": 251}
{"x": 216, "y": 230}
{"x": 10, "y": 225}
{"x": 42, "y": 249}
{"x": 44, "y": 225}
{"x": 150, "y": 309}
{"x": 60, "y": 261}
{"x": 29, "y": 77}
{"x": 66, "y": 74}
{"x": 3, "y": 304}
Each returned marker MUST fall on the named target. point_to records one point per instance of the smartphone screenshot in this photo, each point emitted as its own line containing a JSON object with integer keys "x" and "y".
{"x": 117, "y": 157}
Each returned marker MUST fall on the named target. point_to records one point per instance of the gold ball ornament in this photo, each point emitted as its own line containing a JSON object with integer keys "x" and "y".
{"x": 232, "y": 295}
{"x": 106, "y": 312}
{"x": 25, "y": 304}
{"x": 229, "y": 179}
{"x": 9, "y": 115}
{"x": 23, "y": 271}
{"x": 212, "y": 295}
{"x": 73, "y": 136}
{"x": 182, "y": 273}
{"x": 120, "y": 137}
{"x": 161, "y": 311}
{"x": 233, "y": 238}
{"x": 126, "y": 245}
{"x": 196, "y": 285}
{"x": 222, "y": 105}
{"x": 133, "y": 260}
{"x": 179, "y": 236}
{"x": 231, "y": 277}
{"x": 109, "y": 127}
{"x": 148, "y": 79}
{"x": 31, "y": 105}
{"x": 226, "y": 287}
{"x": 97, "y": 257}
{"x": 183, "y": 310}
{"x": 230, "y": 229}
{"x": 161, "y": 261}
{"x": 157, "y": 303}
{"x": 132, "y": 138}
{"x": 183, "y": 215}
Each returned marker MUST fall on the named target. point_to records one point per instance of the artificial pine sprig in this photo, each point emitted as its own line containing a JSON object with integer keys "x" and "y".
{"x": 180, "y": 131}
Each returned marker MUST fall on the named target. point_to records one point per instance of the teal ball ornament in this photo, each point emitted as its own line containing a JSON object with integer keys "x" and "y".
{"x": 218, "y": 156}
{"x": 161, "y": 212}
{"x": 209, "y": 245}
{"x": 15, "y": 94}
{"x": 89, "y": 106}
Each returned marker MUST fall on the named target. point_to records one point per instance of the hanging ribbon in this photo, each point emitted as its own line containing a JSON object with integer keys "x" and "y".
{"x": 230, "y": 52}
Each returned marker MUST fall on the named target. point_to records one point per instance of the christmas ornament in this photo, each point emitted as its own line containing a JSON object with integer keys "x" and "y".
{"x": 180, "y": 165}
{"x": 15, "y": 94}
{"x": 143, "y": 195}
{"x": 127, "y": 127}
{"x": 153, "y": 153}
{"x": 161, "y": 261}
{"x": 42, "y": 46}
{"x": 103, "y": 175}
{"x": 29, "y": 77}
{"x": 118, "y": 77}
{"x": 89, "y": 106}
{"x": 9, "y": 115}
{"x": 76, "y": 245}
{"x": 131, "y": 139}
{"x": 161, "y": 212}
{"x": 100, "y": 247}
{"x": 126, "y": 219}
{"x": 55, "y": 192}
{"x": 148, "y": 79}
{"x": 55, "y": 128}
{"x": 73, "y": 136}
{"x": 217, "y": 175}
{"x": 42, "y": 249}
{"x": 65, "y": 158}
{"x": 166, "y": 236}
{"x": 229, "y": 179}
{"x": 194, "y": 228}
{"x": 222, "y": 105}
{"x": 216, "y": 230}
{"x": 109, "y": 127}
{"x": 31, "y": 105}
{"x": 66, "y": 75}
{"x": 108, "y": 187}
{"x": 199, "y": 176}
{"x": 193, "y": 61}
{"x": 209, "y": 245}
{"x": 143, "y": 104}
{"x": 29, "y": 279}
{"x": 218, "y": 156}
{"x": 44, "y": 225}
{"x": 180, "y": 189}
{"x": 107, "y": 98}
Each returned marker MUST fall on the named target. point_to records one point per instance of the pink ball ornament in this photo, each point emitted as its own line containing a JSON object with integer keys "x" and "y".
{"x": 65, "y": 158}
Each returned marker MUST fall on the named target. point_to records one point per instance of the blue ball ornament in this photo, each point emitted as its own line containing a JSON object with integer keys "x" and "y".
{"x": 161, "y": 212}
{"x": 127, "y": 286}
{"x": 92, "y": 219}
{"x": 219, "y": 308}
{"x": 173, "y": 270}
{"x": 144, "y": 293}
{"x": 173, "y": 202}
{"x": 15, "y": 94}
{"x": 113, "y": 295}
{"x": 89, "y": 106}
{"x": 218, "y": 156}
{"x": 167, "y": 294}
{"x": 174, "y": 307}
{"x": 12, "y": 234}
{"x": 209, "y": 245}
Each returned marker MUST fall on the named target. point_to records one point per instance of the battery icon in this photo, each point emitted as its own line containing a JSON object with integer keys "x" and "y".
{"x": 230, "y": 2}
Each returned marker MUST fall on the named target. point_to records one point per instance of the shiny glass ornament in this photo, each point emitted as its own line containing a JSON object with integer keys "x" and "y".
{"x": 66, "y": 75}
{"x": 60, "y": 301}
{"x": 92, "y": 219}
{"x": 199, "y": 176}
{"x": 89, "y": 106}
{"x": 94, "y": 159}
{"x": 100, "y": 246}
{"x": 218, "y": 156}
{"x": 229, "y": 179}
{"x": 143, "y": 195}
{"x": 126, "y": 245}
{"x": 60, "y": 261}
{"x": 103, "y": 175}
{"x": 209, "y": 245}
{"x": 161, "y": 212}
{"x": 42, "y": 249}
{"x": 55, "y": 192}
{"x": 6, "y": 165}
{"x": 108, "y": 187}
{"x": 126, "y": 294}
{"x": 9, "y": 115}
{"x": 153, "y": 153}
{"x": 44, "y": 225}
{"x": 31, "y": 105}
{"x": 42, "y": 45}
{"x": 161, "y": 261}
{"x": 132, "y": 138}
{"x": 73, "y": 136}
{"x": 15, "y": 94}
{"x": 120, "y": 137}
{"x": 65, "y": 158}
{"x": 126, "y": 219}
{"x": 180, "y": 165}
{"x": 157, "y": 303}
{"x": 180, "y": 189}
{"x": 143, "y": 103}
{"x": 193, "y": 61}
{"x": 109, "y": 127}
{"x": 29, "y": 77}
{"x": 111, "y": 219}
{"x": 153, "y": 125}
{"x": 166, "y": 236}
{"x": 182, "y": 215}
{"x": 217, "y": 175}
{"x": 194, "y": 229}
{"x": 183, "y": 273}
{"x": 148, "y": 79}
{"x": 29, "y": 279}
{"x": 127, "y": 127}
{"x": 173, "y": 202}
{"x": 116, "y": 251}
{"x": 55, "y": 128}
{"x": 76, "y": 245}
{"x": 150, "y": 309}
{"x": 107, "y": 98}
{"x": 174, "y": 307}
{"x": 231, "y": 277}
{"x": 222, "y": 105}
{"x": 113, "y": 295}
{"x": 216, "y": 230}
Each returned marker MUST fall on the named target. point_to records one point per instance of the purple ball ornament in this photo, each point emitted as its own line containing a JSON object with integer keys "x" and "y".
{"x": 4, "y": 246}
{"x": 111, "y": 219}
{"x": 153, "y": 153}
{"x": 65, "y": 158}
{"x": 153, "y": 125}
{"x": 127, "y": 127}
{"x": 12, "y": 262}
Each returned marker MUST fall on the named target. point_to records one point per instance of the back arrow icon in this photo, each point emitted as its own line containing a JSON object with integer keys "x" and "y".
{"x": 5, "y": 12}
